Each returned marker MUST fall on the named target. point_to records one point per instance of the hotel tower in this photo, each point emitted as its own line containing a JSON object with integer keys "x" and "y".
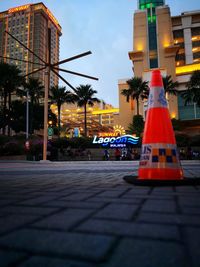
{"x": 171, "y": 44}
{"x": 29, "y": 24}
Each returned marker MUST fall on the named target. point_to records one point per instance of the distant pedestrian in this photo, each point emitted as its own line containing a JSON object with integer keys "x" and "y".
{"x": 106, "y": 154}
{"x": 117, "y": 154}
{"x": 89, "y": 154}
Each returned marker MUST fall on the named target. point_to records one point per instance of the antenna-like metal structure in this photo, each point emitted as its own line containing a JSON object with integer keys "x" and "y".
{"x": 47, "y": 66}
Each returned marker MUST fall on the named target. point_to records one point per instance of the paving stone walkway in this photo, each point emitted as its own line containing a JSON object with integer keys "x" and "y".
{"x": 89, "y": 217}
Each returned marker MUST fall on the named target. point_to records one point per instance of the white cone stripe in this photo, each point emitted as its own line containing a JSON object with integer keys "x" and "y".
{"x": 157, "y": 98}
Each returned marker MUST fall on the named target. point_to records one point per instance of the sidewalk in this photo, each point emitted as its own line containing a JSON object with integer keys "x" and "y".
{"x": 95, "y": 219}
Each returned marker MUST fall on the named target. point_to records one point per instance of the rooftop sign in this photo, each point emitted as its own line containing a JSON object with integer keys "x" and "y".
{"x": 18, "y": 9}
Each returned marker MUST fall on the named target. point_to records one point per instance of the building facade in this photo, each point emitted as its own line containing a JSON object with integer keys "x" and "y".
{"x": 29, "y": 24}
{"x": 100, "y": 118}
{"x": 171, "y": 44}
{"x": 186, "y": 33}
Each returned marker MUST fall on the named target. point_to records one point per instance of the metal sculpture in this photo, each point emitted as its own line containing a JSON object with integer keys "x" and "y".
{"x": 47, "y": 66}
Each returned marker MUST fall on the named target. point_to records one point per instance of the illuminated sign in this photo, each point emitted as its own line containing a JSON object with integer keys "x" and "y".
{"x": 113, "y": 142}
{"x": 18, "y": 9}
{"x": 118, "y": 130}
{"x": 76, "y": 132}
{"x": 104, "y": 134}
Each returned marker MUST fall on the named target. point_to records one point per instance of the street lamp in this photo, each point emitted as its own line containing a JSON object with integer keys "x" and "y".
{"x": 27, "y": 115}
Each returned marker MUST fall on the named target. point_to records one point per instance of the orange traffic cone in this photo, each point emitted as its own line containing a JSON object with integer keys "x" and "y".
{"x": 159, "y": 157}
{"x": 159, "y": 162}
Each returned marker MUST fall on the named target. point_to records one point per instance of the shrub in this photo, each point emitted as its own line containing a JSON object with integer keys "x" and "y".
{"x": 60, "y": 142}
{"x": 81, "y": 142}
{"x": 4, "y": 139}
{"x": 36, "y": 147}
{"x": 182, "y": 140}
{"x": 137, "y": 125}
{"x": 75, "y": 142}
{"x": 12, "y": 148}
{"x": 195, "y": 140}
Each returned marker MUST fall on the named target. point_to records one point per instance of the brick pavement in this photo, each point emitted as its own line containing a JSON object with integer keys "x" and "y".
{"x": 95, "y": 219}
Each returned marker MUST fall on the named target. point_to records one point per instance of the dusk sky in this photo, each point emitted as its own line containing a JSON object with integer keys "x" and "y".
{"x": 106, "y": 28}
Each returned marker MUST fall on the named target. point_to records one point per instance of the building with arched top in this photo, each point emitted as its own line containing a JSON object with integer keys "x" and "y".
{"x": 171, "y": 44}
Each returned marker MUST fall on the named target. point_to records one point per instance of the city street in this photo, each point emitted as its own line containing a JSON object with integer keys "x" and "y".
{"x": 80, "y": 214}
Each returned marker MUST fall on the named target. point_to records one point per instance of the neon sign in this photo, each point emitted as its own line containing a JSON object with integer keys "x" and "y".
{"x": 112, "y": 142}
{"x": 18, "y": 9}
{"x": 108, "y": 134}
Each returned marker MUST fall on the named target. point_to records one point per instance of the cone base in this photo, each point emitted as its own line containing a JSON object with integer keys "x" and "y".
{"x": 155, "y": 182}
{"x": 160, "y": 174}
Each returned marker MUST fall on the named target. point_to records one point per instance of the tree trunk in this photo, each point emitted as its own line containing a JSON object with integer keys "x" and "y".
{"x": 137, "y": 100}
{"x": 59, "y": 107}
{"x": 31, "y": 117}
{"x": 9, "y": 107}
{"x": 4, "y": 112}
{"x": 85, "y": 121}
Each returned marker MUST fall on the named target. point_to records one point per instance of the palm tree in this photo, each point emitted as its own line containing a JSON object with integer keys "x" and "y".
{"x": 169, "y": 85}
{"x": 59, "y": 96}
{"x": 192, "y": 93}
{"x": 137, "y": 89}
{"x": 35, "y": 91}
{"x": 10, "y": 81}
{"x": 137, "y": 125}
{"x": 85, "y": 96}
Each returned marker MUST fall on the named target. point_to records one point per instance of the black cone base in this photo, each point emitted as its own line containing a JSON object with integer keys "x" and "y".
{"x": 186, "y": 181}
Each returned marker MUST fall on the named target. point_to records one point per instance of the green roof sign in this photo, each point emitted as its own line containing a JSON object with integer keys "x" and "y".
{"x": 146, "y": 4}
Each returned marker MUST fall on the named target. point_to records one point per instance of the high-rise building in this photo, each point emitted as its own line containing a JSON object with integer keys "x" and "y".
{"x": 171, "y": 44}
{"x": 29, "y": 24}
{"x": 186, "y": 33}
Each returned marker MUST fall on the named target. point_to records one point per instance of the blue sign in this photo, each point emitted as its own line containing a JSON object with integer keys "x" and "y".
{"x": 113, "y": 142}
{"x": 76, "y": 132}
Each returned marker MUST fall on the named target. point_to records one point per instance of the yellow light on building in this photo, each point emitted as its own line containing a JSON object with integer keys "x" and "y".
{"x": 187, "y": 69}
{"x": 51, "y": 16}
{"x": 105, "y": 111}
{"x": 173, "y": 115}
{"x": 166, "y": 41}
{"x": 194, "y": 38}
{"x": 139, "y": 47}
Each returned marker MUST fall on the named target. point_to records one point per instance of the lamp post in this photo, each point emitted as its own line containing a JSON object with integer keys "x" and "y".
{"x": 27, "y": 115}
{"x": 46, "y": 94}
